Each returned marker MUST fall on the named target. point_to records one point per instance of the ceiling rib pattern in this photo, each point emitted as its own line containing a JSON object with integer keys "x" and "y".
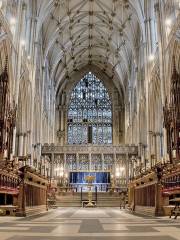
{"x": 77, "y": 33}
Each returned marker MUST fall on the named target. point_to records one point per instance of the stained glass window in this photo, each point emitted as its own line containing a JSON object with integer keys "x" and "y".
{"x": 90, "y": 113}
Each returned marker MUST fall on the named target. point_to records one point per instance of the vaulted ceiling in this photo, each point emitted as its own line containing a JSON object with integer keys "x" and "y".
{"x": 77, "y": 33}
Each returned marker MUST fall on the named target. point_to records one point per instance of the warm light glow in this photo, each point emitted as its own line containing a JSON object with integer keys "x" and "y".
{"x": 168, "y": 30}
{"x": 12, "y": 21}
{"x": 59, "y": 169}
{"x": 121, "y": 169}
{"x": 168, "y": 22}
{"x": 28, "y": 57}
{"x": 61, "y": 174}
{"x": 151, "y": 57}
{"x": 117, "y": 174}
{"x": 23, "y": 42}
{"x": 12, "y": 28}
{"x": 0, "y": 3}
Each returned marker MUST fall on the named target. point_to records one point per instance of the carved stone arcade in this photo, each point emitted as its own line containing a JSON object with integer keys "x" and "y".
{"x": 90, "y": 158}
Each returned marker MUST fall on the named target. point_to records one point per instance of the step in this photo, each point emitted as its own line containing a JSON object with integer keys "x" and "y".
{"x": 148, "y": 211}
{"x": 104, "y": 199}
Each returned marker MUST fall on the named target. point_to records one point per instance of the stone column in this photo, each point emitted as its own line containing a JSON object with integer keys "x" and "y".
{"x": 161, "y": 146}
{"x": 90, "y": 162}
{"x": 155, "y": 146}
{"x": 127, "y": 168}
{"x": 115, "y": 162}
{"x": 20, "y": 146}
{"x": 25, "y": 144}
{"x": 158, "y": 146}
{"x": 28, "y": 35}
{"x": 45, "y": 165}
{"x": 161, "y": 43}
{"x": 140, "y": 156}
{"x": 34, "y": 54}
{"x": 28, "y": 142}
{"x": 61, "y": 124}
{"x": 65, "y": 125}
{"x": 150, "y": 147}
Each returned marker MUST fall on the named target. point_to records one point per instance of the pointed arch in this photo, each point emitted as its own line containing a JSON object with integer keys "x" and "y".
{"x": 90, "y": 113}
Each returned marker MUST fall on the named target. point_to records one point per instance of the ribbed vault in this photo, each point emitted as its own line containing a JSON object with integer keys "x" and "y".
{"x": 77, "y": 33}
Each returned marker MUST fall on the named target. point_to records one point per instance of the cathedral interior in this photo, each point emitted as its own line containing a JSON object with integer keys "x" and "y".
{"x": 89, "y": 119}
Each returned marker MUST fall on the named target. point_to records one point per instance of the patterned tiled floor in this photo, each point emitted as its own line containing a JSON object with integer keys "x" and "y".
{"x": 89, "y": 224}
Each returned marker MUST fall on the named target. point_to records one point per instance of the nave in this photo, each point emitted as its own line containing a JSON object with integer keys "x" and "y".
{"x": 89, "y": 224}
{"x": 89, "y": 116}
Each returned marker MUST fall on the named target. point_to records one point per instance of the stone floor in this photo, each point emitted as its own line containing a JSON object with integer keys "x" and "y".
{"x": 89, "y": 224}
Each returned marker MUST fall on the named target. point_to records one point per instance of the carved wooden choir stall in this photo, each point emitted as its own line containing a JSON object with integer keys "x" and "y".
{"x": 172, "y": 118}
{"x": 8, "y": 192}
{"x": 32, "y": 196}
{"x": 158, "y": 192}
{"x": 145, "y": 193}
{"x": 22, "y": 191}
{"x": 8, "y": 178}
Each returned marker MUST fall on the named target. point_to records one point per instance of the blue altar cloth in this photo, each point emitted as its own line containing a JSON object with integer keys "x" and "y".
{"x": 80, "y": 177}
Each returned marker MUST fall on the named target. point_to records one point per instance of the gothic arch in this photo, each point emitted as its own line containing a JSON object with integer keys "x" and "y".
{"x": 173, "y": 53}
{"x": 116, "y": 95}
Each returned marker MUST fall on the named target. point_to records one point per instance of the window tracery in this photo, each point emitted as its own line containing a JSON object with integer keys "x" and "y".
{"x": 90, "y": 113}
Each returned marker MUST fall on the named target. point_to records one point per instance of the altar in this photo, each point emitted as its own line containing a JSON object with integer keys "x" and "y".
{"x": 100, "y": 183}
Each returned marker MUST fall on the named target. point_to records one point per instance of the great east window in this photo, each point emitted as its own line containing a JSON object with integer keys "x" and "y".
{"x": 90, "y": 113}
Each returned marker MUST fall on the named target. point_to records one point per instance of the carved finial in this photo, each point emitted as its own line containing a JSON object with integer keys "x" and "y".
{"x": 174, "y": 72}
{"x": 6, "y": 65}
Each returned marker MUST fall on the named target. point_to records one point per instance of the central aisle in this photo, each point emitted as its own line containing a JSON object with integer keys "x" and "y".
{"x": 88, "y": 224}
